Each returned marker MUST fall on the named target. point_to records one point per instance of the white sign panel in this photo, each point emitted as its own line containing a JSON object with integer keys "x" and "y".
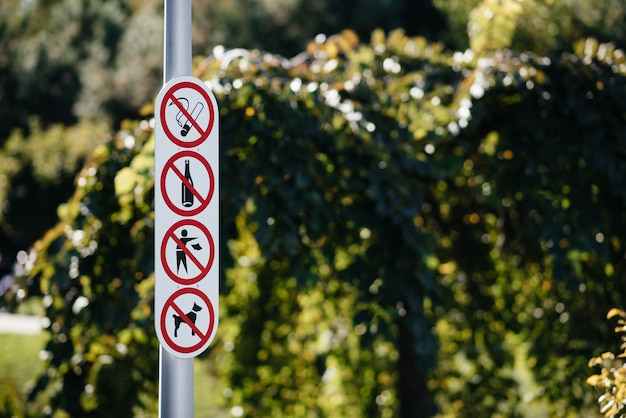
{"x": 186, "y": 207}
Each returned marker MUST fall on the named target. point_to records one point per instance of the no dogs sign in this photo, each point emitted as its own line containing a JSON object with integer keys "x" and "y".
{"x": 186, "y": 210}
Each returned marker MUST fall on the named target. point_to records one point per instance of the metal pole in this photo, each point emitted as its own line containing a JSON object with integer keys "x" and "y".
{"x": 176, "y": 374}
{"x": 177, "y": 50}
{"x": 175, "y": 386}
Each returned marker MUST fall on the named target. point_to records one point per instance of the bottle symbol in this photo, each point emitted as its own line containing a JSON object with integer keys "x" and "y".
{"x": 187, "y": 194}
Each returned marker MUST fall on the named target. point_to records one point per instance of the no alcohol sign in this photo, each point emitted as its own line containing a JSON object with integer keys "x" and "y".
{"x": 181, "y": 193}
{"x": 186, "y": 216}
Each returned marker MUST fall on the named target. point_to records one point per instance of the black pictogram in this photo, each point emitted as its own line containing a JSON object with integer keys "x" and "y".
{"x": 191, "y": 318}
{"x": 195, "y": 126}
{"x": 184, "y": 195}
{"x": 187, "y": 196}
{"x": 181, "y": 250}
{"x": 187, "y": 259}
{"x": 183, "y": 120}
{"x": 200, "y": 320}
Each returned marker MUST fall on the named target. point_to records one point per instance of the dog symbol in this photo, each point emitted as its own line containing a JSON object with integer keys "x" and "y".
{"x": 190, "y": 315}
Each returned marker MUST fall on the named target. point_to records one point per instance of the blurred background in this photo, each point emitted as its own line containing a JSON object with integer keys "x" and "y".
{"x": 423, "y": 206}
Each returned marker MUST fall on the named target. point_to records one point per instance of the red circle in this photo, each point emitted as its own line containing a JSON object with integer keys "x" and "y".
{"x": 170, "y": 95}
{"x": 203, "y": 271}
{"x": 203, "y": 340}
{"x": 168, "y": 165}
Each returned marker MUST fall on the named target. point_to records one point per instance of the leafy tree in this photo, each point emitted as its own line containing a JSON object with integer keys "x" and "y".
{"x": 36, "y": 175}
{"x": 74, "y": 60}
{"x": 9, "y": 30}
{"x": 285, "y": 27}
{"x": 414, "y": 225}
{"x": 50, "y": 83}
{"x": 406, "y": 226}
{"x": 543, "y": 25}
{"x": 47, "y": 75}
{"x": 547, "y": 217}
{"x": 96, "y": 305}
{"x": 610, "y": 381}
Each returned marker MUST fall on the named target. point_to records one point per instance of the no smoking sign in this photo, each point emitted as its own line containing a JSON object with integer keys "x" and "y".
{"x": 187, "y": 112}
{"x": 186, "y": 207}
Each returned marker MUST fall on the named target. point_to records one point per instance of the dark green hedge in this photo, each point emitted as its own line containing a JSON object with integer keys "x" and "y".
{"x": 403, "y": 229}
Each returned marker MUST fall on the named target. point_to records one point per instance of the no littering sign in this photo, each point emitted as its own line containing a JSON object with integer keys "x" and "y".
{"x": 186, "y": 206}
{"x": 187, "y": 252}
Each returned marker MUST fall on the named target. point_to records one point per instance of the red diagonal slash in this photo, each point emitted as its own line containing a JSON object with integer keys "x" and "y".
{"x": 188, "y": 116}
{"x": 188, "y": 321}
{"x": 166, "y": 249}
{"x": 189, "y": 186}
{"x": 188, "y": 252}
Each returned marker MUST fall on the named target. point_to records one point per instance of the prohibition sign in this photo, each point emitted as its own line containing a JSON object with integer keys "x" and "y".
{"x": 204, "y": 336}
{"x": 169, "y": 98}
{"x": 181, "y": 246}
{"x": 204, "y": 200}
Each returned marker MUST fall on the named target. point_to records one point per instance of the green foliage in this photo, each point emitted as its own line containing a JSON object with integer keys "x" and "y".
{"x": 400, "y": 224}
{"x": 67, "y": 61}
{"x": 36, "y": 172}
{"x": 286, "y": 26}
{"x": 492, "y": 25}
{"x": 64, "y": 58}
{"x": 71, "y": 60}
{"x": 18, "y": 366}
{"x": 543, "y": 26}
{"x": 11, "y": 21}
{"x": 612, "y": 378}
{"x": 539, "y": 199}
{"x": 11, "y": 399}
{"x": 97, "y": 308}
{"x": 315, "y": 194}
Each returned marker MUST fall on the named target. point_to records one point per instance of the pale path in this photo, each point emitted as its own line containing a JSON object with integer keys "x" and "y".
{"x": 19, "y": 324}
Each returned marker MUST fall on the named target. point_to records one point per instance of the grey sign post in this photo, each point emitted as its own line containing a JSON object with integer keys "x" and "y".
{"x": 176, "y": 374}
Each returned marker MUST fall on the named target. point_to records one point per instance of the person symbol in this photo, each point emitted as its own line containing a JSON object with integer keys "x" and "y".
{"x": 181, "y": 255}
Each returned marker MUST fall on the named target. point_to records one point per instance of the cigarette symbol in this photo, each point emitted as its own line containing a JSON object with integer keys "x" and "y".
{"x": 182, "y": 120}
